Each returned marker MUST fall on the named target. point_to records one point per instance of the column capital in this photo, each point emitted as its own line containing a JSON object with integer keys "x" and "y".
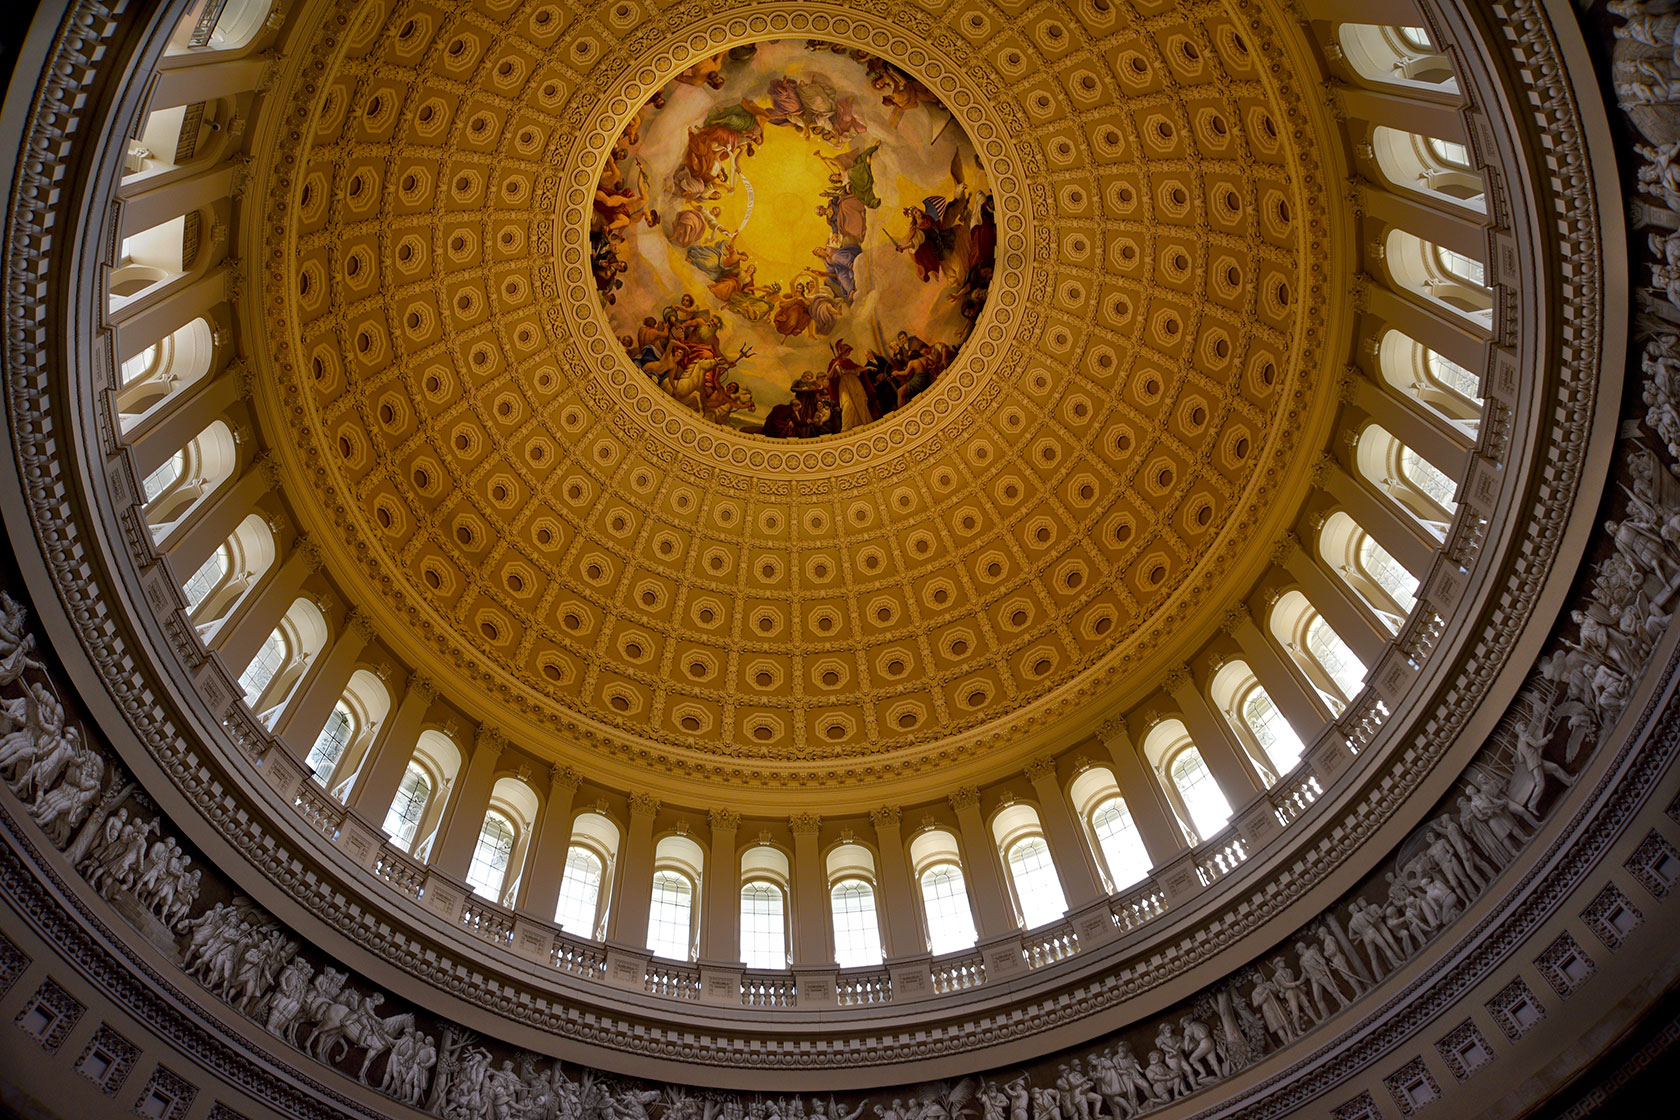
{"x": 1235, "y": 619}
{"x": 1347, "y": 386}
{"x": 358, "y": 623}
{"x": 643, "y": 805}
{"x": 421, "y": 685}
{"x": 1042, "y": 768}
{"x": 266, "y": 465}
{"x": 1287, "y": 548}
{"x": 805, "y": 823}
{"x": 965, "y": 798}
{"x": 1324, "y": 468}
{"x": 1177, "y": 680}
{"x": 564, "y": 777}
{"x": 885, "y": 817}
{"x": 1113, "y": 729}
{"x": 723, "y": 820}
{"x": 489, "y": 739}
{"x": 309, "y": 550}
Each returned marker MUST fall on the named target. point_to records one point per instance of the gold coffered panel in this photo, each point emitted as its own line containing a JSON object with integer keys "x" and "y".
{"x": 1100, "y": 471}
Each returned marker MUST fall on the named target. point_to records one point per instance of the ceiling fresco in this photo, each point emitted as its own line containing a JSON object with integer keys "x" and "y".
{"x": 793, "y": 238}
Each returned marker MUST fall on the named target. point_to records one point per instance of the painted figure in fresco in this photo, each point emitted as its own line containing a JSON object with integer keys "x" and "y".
{"x": 707, "y": 209}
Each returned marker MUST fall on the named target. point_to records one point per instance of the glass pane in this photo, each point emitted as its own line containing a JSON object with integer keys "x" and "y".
{"x": 945, "y": 901}
{"x": 580, "y": 892}
{"x": 329, "y": 746}
{"x": 1337, "y": 659}
{"x": 670, "y": 928}
{"x": 1464, "y": 268}
{"x": 164, "y": 477}
{"x": 1276, "y": 736}
{"x": 1208, "y": 809}
{"x": 403, "y": 818}
{"x": 204, "y": 581}
{"x": 1416, "y": 38}
{"x": 1453, "y": 376}
{"x": 140, "y": 364}
{"x": 763, "y": 926}
{"x": 1122, "y": 848}
{"x": 857, "y": 936}
{"x": 1388, "y": 573}
{"x": 488, "y": 870}
{"x": 1036, "y": 884}
{"x": 1449, "y": 153}
{"x": 263, "y": 666}
{"x": 1423, "y": 474}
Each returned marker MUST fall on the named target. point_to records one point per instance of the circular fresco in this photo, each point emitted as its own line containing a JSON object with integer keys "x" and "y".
{"x": 793, "y": 238}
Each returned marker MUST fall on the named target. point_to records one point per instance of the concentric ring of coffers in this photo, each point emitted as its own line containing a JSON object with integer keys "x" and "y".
{"x": 534, "y": 517}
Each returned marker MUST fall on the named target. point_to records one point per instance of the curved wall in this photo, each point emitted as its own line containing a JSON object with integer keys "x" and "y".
{"x": 1360, "y": 1016}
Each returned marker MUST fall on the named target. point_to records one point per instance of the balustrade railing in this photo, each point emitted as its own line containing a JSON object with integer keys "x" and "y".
{"x": 957, "y": 974}
{"x": 1142, "y": 903}
{"x": 1291, "y": 796}
{"x": 316, "y": 806}
{"x": 768, "y": 991}
{"x": 403, "y": 872}
{"x": 487, "y": 920}
{"x": 1219, "y": 857}
{"x": 1361, "y": 722}
{"x": 674, "y": 981}
{"x": 860, "y": 989}
{"x": 580, "y": 958}
{"x": 1049, "y": 945}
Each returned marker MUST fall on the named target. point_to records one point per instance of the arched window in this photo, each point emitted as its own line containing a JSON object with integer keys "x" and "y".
{"x": 1443, "y": 276}
{"x": 1121, "y": 845}
{"x": 257, "y": 675}
{"x": 1269, "y": 738}
{"x": 671, "y": 916}
{"x": 140, "y": 365}
{"x": 161, "y": 371}
{"x": 851, "y": 890}
{"x": 1400, "y": 56}
{"x": 1417, "y": 38}
{"x": 1026, "y": 858}
{"x": 1412, "y": 482}
{"x": 1208, "y": 809}
{"x": 764, "y": 906}
{"x": 1110, "y": 830}
{"x": 950, "y": 922}
{"x": 329, "y": 745}
{"x": 580, "y": 891}
{"x": 1038, "y": 890}
{"x": 763, "y": 925}
{"x": 587, "y": 878}
{"x": 1453, "y": 376}
{"x": 180, "y": 483}
{"x": 402, "y": 820}
{"x": 673, "y": 919}
{"x": 1429, "y": 478}
{"x": 857, "y": 932}
{"x": 1436, "y": 382}
{"x": 209, "y": 575}
{"x": 1432, "y": 167}
{"x": 160, "y": 480}
{"x": 1274, "y": 734}
{"x": 1328, "y": 649}
{"x": 273, "y": 674}
{"x": 1397, "y": 583}
{"x": 487, "y": 874}
{"x": 1368, "y": 569}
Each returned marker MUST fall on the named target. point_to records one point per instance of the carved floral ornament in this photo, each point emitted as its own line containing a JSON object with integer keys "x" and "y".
{"x": 898, "y": 576}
